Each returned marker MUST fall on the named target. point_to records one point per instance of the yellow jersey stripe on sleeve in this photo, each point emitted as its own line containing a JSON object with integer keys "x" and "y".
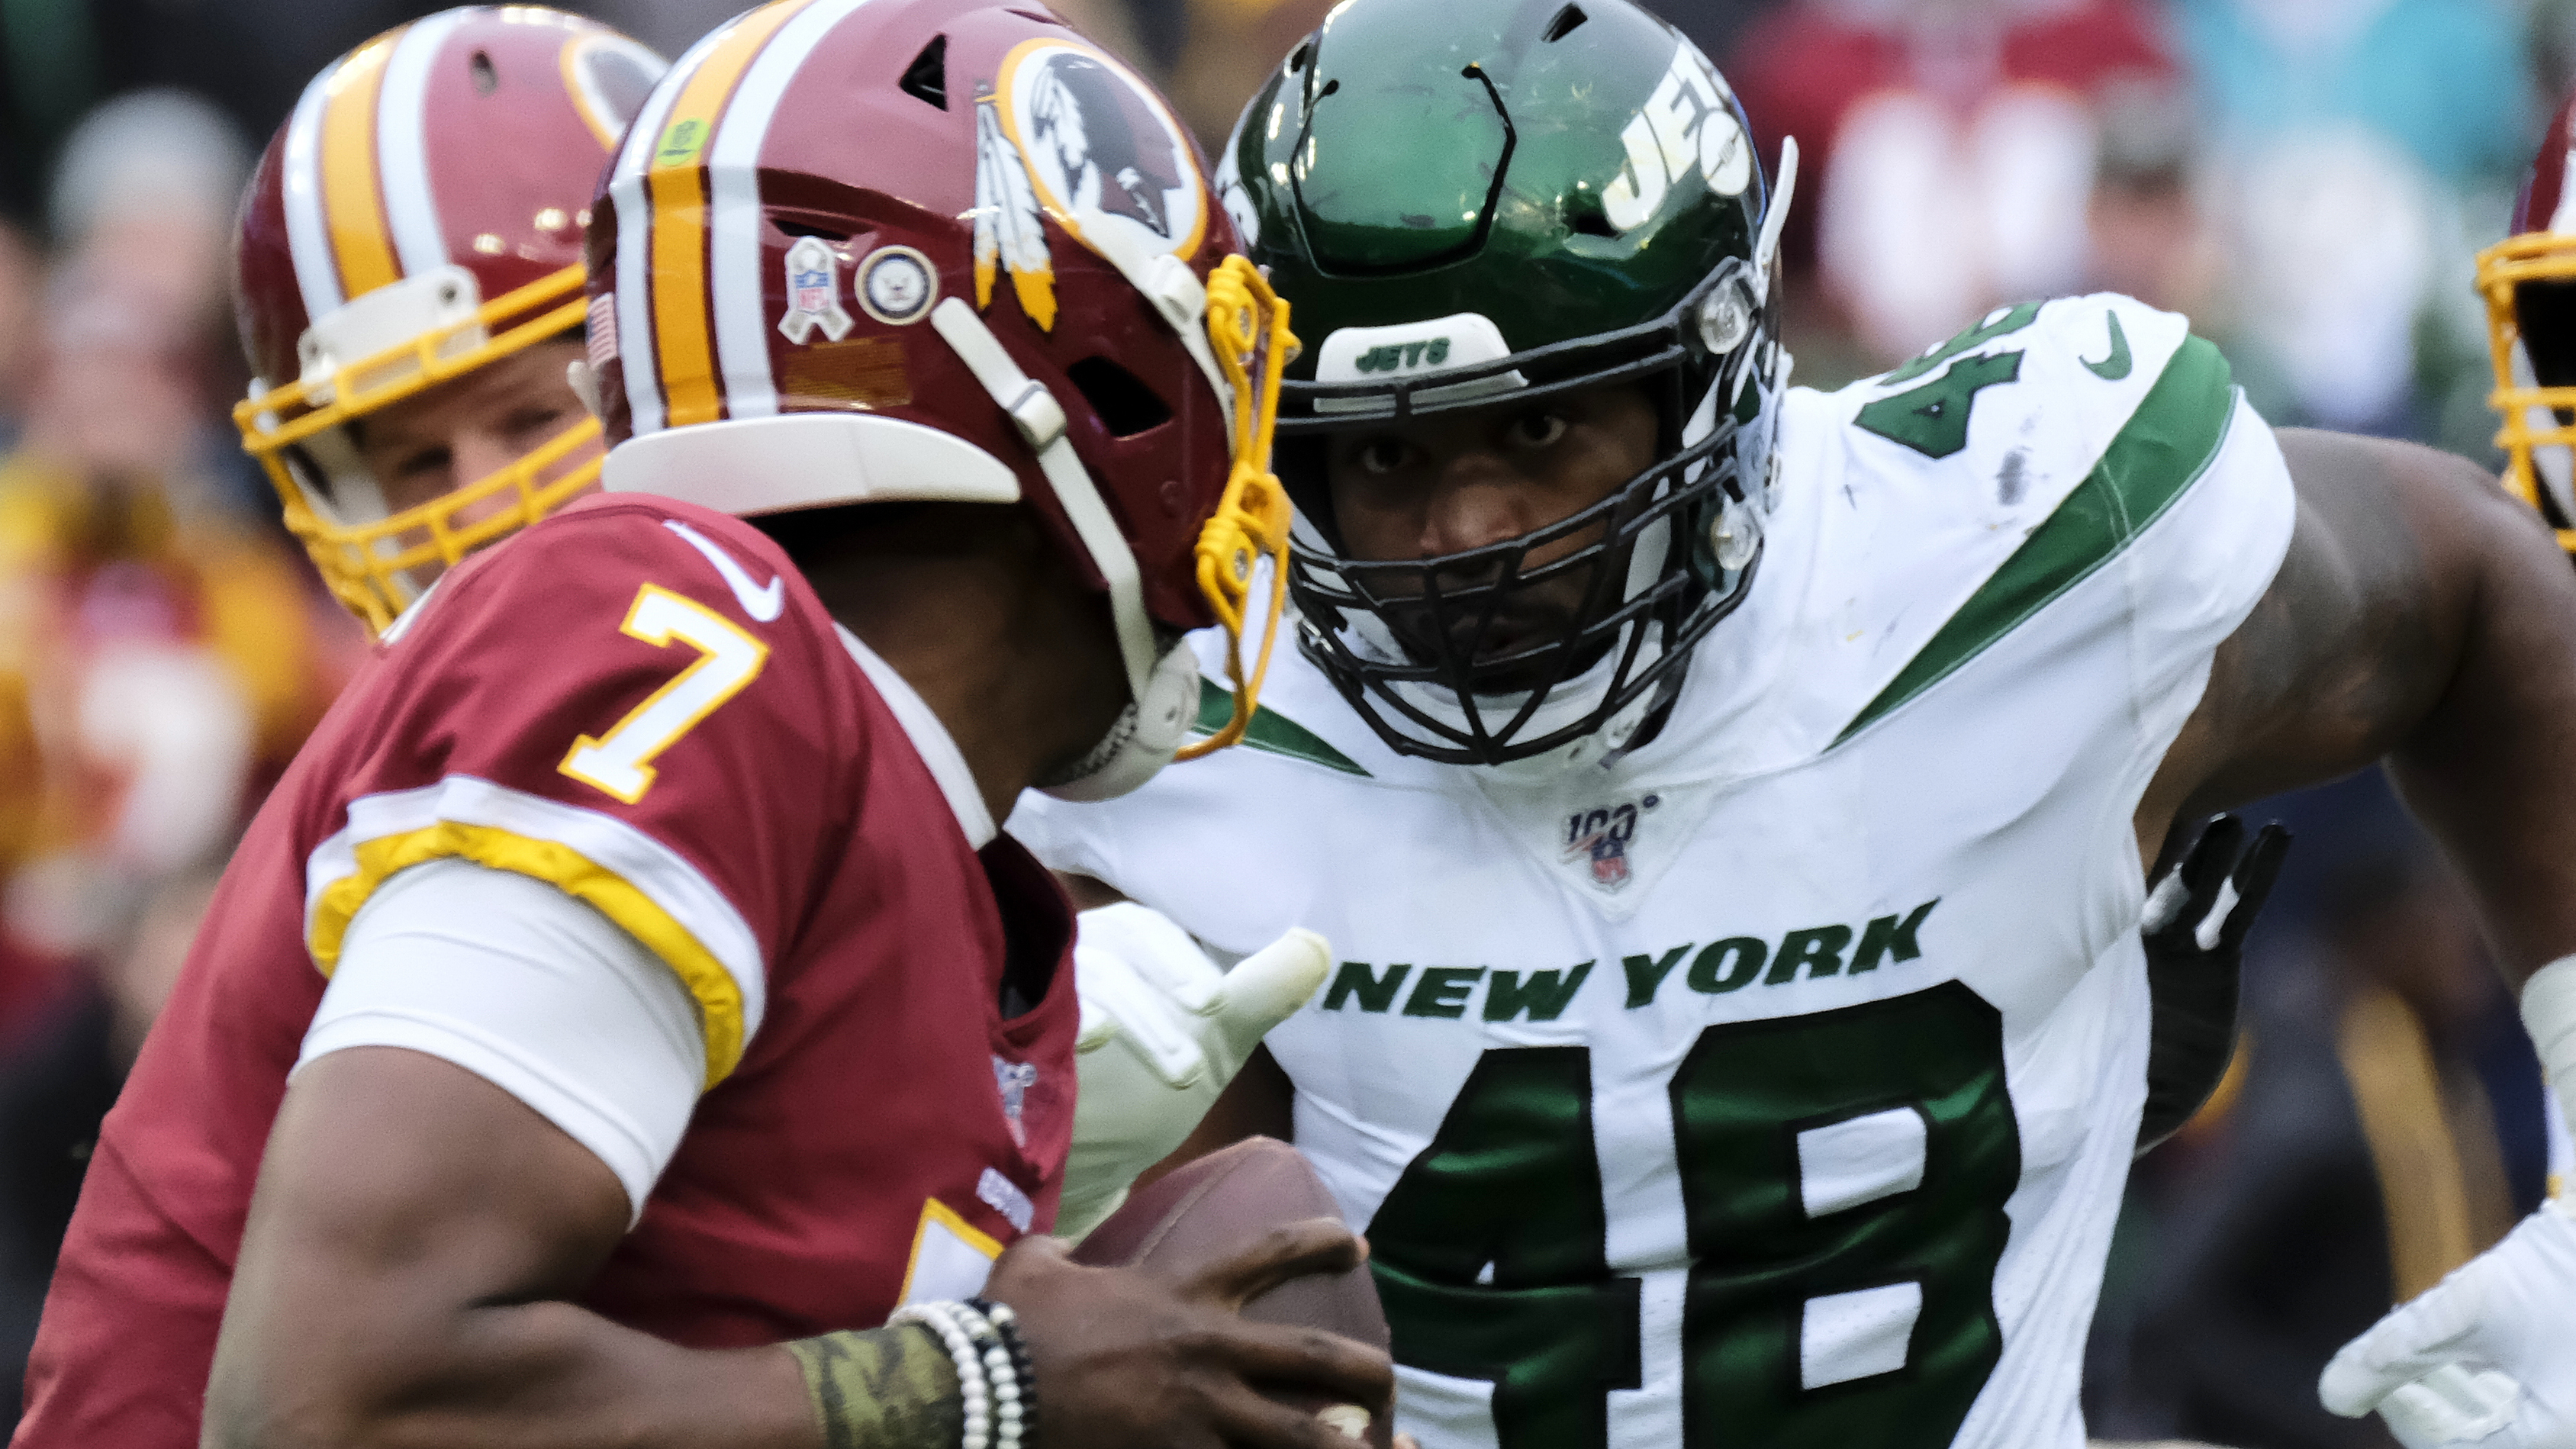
{"x": 719, "y": 998}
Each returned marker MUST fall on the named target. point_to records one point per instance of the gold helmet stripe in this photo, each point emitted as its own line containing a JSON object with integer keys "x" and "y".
{"x": 676, "y": 181}
{"x": 352, "y": 202}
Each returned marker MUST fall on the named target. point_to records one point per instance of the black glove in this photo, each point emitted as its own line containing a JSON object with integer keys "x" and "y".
{"x": 2192, "y": 984}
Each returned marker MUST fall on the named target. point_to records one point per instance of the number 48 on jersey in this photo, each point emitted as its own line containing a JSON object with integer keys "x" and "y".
{"x": 1844, "y": 1176}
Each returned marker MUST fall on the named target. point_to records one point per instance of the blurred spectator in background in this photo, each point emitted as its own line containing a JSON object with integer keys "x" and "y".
{"x": 2358, "y": 147}
{"x": 22, "y": 285}
{"x": 164, "y": 641}
{"x": 61, "y": 58}
{"x": 1949, "y": 150}
{"x": 2147, "y": 232}
{"x": 162, "y": 654}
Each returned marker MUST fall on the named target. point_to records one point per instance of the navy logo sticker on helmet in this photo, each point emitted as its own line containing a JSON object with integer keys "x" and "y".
{"x": 813, "y": 293}
{"x": 896, "y": 285}
{"x": 1108, "y": 161}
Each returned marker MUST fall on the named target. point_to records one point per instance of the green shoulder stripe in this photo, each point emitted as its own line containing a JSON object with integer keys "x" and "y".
{"x": 1276, "y": 734}
{"x": 2164, "y": 448}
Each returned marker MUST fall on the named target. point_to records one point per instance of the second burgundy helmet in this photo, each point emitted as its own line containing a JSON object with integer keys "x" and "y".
{"x": 419, "y": 216}
{"x": 940, "y": 249}
{"x": 2528, "y": 282}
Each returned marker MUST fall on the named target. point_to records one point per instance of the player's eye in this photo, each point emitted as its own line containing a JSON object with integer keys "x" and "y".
{"x": 421, "y": 462}
{"x": 1534, "y": 430}
{"x": 1381, "y": 456}
{"x": 529, "y": 427}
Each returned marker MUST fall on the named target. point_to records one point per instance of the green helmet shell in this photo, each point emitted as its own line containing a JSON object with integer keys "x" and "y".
{"x": 1562, "y": 170}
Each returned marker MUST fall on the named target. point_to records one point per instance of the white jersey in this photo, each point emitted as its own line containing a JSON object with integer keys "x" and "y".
{"x": 1775, "y": 1083}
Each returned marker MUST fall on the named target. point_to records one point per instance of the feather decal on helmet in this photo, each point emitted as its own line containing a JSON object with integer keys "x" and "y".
{"x": 1008, "y": 229}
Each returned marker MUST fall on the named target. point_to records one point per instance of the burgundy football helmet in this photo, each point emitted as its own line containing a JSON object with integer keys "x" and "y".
{"x": 2529, "y": 283}
{"x": 940, "y": 249}
{"x": 419, "y": 215}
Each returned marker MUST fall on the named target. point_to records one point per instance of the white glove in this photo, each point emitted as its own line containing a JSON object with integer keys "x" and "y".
{"x": 1164, "y": 1029}
{"x": 2487, "y": 1357}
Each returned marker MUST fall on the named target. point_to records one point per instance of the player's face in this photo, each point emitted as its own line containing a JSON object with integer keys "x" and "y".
{"x": 1446, "y": 484}
{"x": 472, "y": 427}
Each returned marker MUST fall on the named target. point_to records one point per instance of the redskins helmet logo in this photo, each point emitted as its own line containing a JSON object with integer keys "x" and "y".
{"x": 1107, "y": 161}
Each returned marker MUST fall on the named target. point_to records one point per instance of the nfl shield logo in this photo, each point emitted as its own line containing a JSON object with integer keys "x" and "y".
{"x": 813, "y": 277}
{"x": 1609, "y": 860}
{"x": 812, "y": 290}
{"x": 1601, "y": 838}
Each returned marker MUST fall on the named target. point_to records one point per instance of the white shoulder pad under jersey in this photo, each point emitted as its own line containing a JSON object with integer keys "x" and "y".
{"x": 1998, "y": 475}
{"x": 1775, "y": 1081}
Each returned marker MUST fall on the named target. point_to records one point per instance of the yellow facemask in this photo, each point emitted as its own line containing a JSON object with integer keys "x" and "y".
{"x": 369, "y": 565}
{"x": 2535, "y": 256}
{"x": 1248, "y": 325}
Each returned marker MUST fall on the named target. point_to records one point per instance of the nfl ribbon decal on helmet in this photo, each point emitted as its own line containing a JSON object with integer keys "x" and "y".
{"x": 1008, "y": 230}
{"x": 813, "y": 293}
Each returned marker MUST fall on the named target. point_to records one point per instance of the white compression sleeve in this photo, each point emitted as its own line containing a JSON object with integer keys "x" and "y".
{"x": 2549, "y": 1014}
{"x": 536, "y": 993}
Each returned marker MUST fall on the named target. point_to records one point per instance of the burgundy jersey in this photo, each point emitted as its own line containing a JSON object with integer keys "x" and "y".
{"x": 643, "y": 703}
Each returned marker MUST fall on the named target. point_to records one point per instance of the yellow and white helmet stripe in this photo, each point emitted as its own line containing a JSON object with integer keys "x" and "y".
{"x": 690, "y": 313}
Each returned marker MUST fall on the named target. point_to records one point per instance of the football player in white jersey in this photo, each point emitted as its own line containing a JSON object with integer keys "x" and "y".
{"x": 1729, "y": 803}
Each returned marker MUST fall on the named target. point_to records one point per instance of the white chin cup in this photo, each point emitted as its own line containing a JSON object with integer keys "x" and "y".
{"x": 1144, "y": 739}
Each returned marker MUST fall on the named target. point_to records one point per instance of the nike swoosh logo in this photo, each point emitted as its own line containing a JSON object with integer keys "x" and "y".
{"x": 2109, "y": 369}
{"x": 761, "y": 603}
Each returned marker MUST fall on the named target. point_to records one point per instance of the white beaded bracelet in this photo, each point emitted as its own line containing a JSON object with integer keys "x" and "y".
{"x": 1001, "y": 1370}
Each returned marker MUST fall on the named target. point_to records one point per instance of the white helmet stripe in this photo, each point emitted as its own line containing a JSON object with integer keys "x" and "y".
{"x": 308, "y": 238}
{"x": 742, "y": 339}
{"x": 402, "y": 143}
{"x": 634, "y": 238}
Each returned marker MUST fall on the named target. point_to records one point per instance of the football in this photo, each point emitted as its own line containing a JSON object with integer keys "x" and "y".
{"x": 1212, "y": 1208}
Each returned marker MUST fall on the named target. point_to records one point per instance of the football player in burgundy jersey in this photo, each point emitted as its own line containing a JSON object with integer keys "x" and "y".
{"x": 628, "y": 1002}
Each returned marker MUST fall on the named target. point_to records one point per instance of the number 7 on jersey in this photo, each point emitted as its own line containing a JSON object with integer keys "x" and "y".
{"x": 621, "y": 761}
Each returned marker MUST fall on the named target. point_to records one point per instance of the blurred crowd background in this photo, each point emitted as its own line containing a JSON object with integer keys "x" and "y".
{"x": 2308, "y": 179}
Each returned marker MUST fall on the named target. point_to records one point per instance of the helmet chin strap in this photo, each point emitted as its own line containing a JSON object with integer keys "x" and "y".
{"x": 1040, "y": 419}
{"x": 1162, "y": 685}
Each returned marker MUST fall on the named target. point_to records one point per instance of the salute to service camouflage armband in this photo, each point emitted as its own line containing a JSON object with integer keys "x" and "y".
{"x": 883, "y": 1388}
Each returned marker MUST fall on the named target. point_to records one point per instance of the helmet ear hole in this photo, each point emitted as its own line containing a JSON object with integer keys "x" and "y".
{"x": 1125, "y": 405}
{"x": 926, "y": 79}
